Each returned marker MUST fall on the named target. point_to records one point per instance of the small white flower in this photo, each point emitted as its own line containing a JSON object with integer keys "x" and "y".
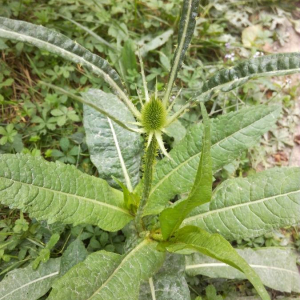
{"x": 288, "y": 82}
{"x": 230, "y": 56}
{"x": 258, "y": 54}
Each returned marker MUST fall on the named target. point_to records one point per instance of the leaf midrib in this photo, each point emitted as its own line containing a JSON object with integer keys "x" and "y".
{"x": 71, "y": 195}
{"x": 104, "y": 74}
{"x": 152, "y": 288}
{"x": 31, "y": 282}
{"x": 205, "y": 265}
{"x": 120, "y": 156}
{"x": 199, "y": 153}
{"x": 126, "y": 258}
{"x": 264, "y": 74}
{"x": 187, "y": 220}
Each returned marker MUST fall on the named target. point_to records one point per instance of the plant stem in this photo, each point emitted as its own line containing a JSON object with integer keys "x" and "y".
{"x": 148, "y": 176}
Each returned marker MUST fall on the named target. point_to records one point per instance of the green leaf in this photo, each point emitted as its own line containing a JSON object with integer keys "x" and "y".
{"x": 186, "y": 30}
{"x": 110, "y": 276}
{"x": 211, "y": 293}
{"x": 236, "y": 296}
{"x": 3, "y": 131}
{"x": 250, "y": 34}
{"x": 74, "y": 254}
{"x": 202, "y": 187}
{"x": 128, "y": 58}
{"x": 64, "y": 144}
{"x": 20, "y": 283}
{"x": 231, "y": 135}
{"x": 114, "y": 151}
{"x": 57, "y": 112}
{"x": 156, "y": 42}
{"x": 231, "y": 78}
{"x": 177, "y": 131}
{"x": 172, "y": 217}
{"x": 131, "y": 200}
{"x": 60, "y": 193}
{"x": 61, "y": 45}
{"x": 191, "y": 239}
{"x": 276, "y": 267}
{"x": 249, "y": 207}
{"x": 44, "y": 254}
{"x": 168, "y": 283}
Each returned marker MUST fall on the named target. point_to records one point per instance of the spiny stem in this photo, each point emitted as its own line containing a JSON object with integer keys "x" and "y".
{"x": 148, "y": 176}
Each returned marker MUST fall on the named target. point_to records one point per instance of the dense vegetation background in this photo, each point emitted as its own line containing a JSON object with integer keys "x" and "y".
{"x": 40, "y": 121}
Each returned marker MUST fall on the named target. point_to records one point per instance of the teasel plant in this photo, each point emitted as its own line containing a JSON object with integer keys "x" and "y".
{"x": 202, "y": 222}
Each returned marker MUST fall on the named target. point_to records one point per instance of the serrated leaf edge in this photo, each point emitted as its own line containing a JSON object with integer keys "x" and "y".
{"x": 64, "y": 193}
{"x": 190, "y": 219}
{"x": 198, "y": 154}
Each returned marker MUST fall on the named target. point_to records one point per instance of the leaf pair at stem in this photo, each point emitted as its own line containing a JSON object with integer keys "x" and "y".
{"x": 190, "y": 239}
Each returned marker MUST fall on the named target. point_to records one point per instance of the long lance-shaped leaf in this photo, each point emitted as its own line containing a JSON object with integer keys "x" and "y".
{"x": 26, "y": 283}
{"x": 60, "y": 193}
{"x": 231, "y": 78}
{"x": 114, "y": 150}
{"x": 20, "y": 283}
{"x": 186, "y": 31}
{"x": 61, "y": 45}
{"x": 191, "y": 239}
{"x": 252, "y": 206}
{"x": 109, "y": 276}
{"x": 168, "y": 283}
{"x": 231, "y": 134}
{"x": 276, "y": 267}
{"x": 96, "y": 105}
{"x": 172, "y": 217}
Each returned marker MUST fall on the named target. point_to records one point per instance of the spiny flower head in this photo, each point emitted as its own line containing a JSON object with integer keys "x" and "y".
{"x": 154, "y": 115}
